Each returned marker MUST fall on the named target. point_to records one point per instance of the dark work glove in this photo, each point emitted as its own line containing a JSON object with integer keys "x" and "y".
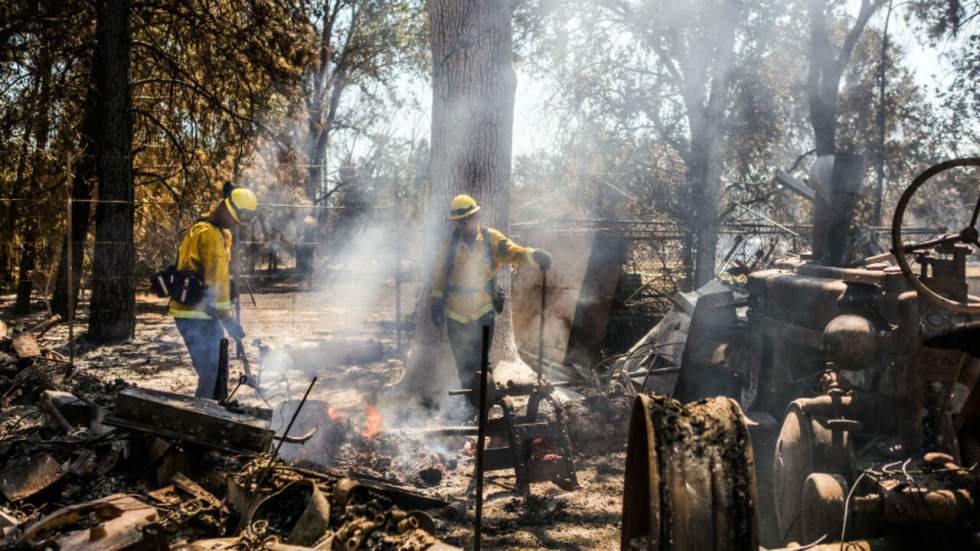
{"x": 438, "y": 313}
{"x": 543, "y": 258}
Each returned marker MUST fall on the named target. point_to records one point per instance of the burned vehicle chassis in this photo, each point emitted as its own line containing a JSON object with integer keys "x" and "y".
{"x": 859, "y": 365}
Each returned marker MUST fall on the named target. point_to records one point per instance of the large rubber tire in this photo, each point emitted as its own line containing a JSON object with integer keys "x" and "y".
{"x": 690, "y": 477}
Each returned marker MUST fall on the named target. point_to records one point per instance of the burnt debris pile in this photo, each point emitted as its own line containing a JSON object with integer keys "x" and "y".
{"x": 88, "y": 465}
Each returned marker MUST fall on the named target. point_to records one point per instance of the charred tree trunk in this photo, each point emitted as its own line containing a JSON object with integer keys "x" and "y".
{"x": 81, "y": 194}
{"x": 473, "y": 86}
{"x": 9, "y": 223}
{"x": 41, "y": 129}
{"x": 13, "y": 211}
{"x": 7, "y": 243}
{"x": 112, "y": 310}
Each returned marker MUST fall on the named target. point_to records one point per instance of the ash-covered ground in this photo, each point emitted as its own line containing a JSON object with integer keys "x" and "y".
{"x": 364, "y": 425}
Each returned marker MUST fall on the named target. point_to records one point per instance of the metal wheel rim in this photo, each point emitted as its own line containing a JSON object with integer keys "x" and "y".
{"x": 897, "y": 246}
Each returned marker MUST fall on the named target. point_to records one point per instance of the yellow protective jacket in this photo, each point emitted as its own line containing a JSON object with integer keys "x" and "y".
{"x": 206, "y": 249}
{"x": 467, "y": 295}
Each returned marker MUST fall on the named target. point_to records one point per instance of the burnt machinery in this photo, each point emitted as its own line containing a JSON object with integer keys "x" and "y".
{"x": 870, "y": 370}
{"x": 525, "y": 437}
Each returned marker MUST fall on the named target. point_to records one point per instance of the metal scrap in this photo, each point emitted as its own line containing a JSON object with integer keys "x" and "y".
{"x": 22, "y": 479}
{"x": 124, "y": 525}
{"x": 194, "y": 489}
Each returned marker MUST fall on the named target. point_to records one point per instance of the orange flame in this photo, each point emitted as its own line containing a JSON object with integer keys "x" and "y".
{"x": 374, "y": 419}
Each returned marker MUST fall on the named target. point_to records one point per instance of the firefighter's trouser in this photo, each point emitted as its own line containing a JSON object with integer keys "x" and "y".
{"x": 203, "y": 339}
{"x": 466, "y": 342}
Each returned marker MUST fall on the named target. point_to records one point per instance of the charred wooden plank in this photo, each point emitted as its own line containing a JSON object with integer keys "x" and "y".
{"x": 194, "y": 420}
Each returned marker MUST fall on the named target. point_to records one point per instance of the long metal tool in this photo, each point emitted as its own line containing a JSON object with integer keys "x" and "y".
{"x": 481, "y": 437}
{"x": 544, "y": 293}
{"x": 272, "y": 460}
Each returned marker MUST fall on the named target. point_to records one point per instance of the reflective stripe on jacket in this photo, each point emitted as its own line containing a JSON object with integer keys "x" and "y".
{"x": 466, "y": 293}
{"x": 207, "y": 250}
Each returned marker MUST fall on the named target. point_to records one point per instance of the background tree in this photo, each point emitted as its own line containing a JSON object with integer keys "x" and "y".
{"x": 473, "y": 86}
{"x": 360, "y": 44}
{"x": 827, "y": 63}
{"x": 112, "y": 312}
{"x": 675, "y": 84}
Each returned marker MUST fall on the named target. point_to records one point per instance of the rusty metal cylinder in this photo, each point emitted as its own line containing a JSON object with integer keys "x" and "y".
{"x": 875, "y": 412}
{"x": 854, "y": 545}
{"x": 901, "y": 504}
{"x": 849, "y": 342}
{"x": 690, "y": 478}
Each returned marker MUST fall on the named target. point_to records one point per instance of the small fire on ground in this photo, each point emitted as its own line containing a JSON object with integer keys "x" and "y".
{"x": 374, "y": 419}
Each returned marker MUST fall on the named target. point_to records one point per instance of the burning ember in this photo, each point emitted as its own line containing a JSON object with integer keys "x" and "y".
{"x": 333, "y": 415}
{"x": 543, "y": 449}
{"x": 374, "y": 420}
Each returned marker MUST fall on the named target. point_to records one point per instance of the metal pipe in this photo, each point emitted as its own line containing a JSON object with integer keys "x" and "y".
{"x": 398, "y": 298}
{"x": 544, "y": 293}
{"x": 220, "y": 391}
{"x": 481, "y": 438}
{"x": 68, "y": 271}
{"x": 272, "y": 460}
{"x": 462, "y": 430}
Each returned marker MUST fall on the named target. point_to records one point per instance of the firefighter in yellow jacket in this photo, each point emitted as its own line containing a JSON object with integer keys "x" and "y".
{"x": 206, "y": 251}
{"x": 464, "y": 293}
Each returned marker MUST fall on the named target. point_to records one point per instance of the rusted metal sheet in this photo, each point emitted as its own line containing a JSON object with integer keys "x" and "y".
{"x": 125, "y": 523}
{"x": 22, "y": 479}
{"x": 788, "y": 331}
{"x": 581, "y": 287}
{"x": 195, "y": 420}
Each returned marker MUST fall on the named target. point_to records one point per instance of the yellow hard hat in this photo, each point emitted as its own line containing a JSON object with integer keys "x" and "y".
{"x": 463, "y": 206}
{"x": 241, "y": 203}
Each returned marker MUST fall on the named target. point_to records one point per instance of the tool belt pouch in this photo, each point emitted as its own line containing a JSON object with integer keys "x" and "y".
{"x": 499, "y": 298}
{"x": 184, "y": 286}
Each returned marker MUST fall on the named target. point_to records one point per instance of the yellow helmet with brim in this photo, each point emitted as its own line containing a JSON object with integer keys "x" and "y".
{"x": 463, "y": 206}
{"x": 242, "y": 204}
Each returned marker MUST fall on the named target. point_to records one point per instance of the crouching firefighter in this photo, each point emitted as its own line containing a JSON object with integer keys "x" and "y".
{"x": 201, "y": 303}
{"x": 464, "y": 291}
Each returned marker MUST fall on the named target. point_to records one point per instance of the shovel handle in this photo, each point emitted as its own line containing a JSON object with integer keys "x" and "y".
{"x": 544, "y": 294}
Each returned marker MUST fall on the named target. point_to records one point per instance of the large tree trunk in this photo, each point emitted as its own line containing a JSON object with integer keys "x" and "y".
{"x": 81, "y": 193}
{"x": 7, "y": 243}
{"x": 706, "y": 116}
{"x": 823, "y": 81}
{"x": 13, "y": 210}
{"x": 41, "y": 129}
{"x": 112, "y": 311}
{"x": 473, "y": 85}
{"x": 9, "y": 221}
